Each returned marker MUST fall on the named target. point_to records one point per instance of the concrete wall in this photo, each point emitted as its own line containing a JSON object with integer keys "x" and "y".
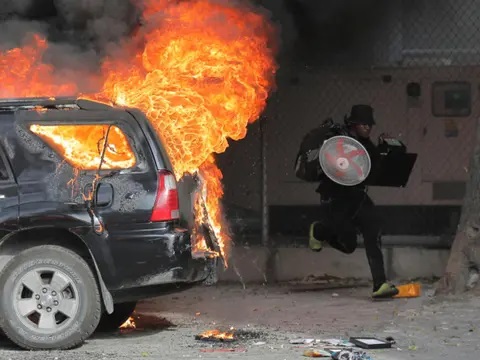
{"x": 318, "y": 95}
{"x": 290, "y": 264}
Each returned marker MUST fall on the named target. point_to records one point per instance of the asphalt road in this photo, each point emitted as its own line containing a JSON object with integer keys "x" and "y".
{"x": 267, "y": 319}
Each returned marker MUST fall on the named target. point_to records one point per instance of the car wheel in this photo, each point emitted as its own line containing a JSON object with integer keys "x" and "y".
{"x": 121, "y": 313}
{"x": 49, "y": 299}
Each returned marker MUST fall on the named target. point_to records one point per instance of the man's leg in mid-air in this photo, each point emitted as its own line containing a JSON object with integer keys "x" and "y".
{"x": 334, "y": 227}
{"x": 369, "y": 225}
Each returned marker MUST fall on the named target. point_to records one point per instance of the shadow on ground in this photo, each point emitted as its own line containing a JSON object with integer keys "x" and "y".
{"x": 145, "y": 325}
{"x": 6, "y": 344}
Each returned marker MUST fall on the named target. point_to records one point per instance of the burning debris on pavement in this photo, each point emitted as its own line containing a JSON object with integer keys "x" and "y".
{"x": 129, "y": 324}
{"x": 217, "y": 336}
{"x": 230, "y": 335}
{"x": 144, "y": 323}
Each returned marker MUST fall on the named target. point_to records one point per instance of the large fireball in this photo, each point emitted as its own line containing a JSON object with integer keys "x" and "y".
{"x": 201, "y": 71}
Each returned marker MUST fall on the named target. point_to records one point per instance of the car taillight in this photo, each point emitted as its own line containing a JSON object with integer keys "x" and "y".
{"x": 166, "y": 204}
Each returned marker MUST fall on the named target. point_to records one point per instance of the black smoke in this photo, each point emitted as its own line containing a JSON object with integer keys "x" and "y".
{"x": 333, "y": 31}
{"x": 80, "y": 32}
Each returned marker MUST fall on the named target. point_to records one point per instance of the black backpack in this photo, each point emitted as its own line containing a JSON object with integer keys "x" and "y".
{"x": 307, "y": 164}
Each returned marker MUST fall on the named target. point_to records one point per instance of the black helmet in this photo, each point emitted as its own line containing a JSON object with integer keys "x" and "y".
{"x": 361, "y": 114}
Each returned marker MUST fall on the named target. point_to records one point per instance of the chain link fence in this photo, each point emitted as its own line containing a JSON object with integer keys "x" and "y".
{"x": 416, "y": 62}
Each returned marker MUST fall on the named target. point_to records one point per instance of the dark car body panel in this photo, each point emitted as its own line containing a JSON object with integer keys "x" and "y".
{"x": 44, "y": 190}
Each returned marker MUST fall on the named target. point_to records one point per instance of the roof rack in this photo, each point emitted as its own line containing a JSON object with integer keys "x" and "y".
{"x": 53, "y": 102}
{"x": 37, "y": 101}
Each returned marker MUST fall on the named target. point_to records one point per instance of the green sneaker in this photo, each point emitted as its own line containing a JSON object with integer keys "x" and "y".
{"x": 314, "y": 244}
{"x": 385, "y": 291}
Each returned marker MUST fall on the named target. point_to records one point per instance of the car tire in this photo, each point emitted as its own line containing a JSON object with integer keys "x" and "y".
{"x": 121, "y": 313}
{"x": 49, "y": 299}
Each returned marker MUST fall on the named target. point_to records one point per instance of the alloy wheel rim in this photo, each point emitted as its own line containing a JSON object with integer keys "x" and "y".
{"x": 46, "y": 300}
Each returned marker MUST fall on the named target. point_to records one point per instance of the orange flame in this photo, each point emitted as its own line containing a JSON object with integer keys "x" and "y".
{"x": 129, "y": 324}
{"x": 200, "y": 70}
{"x": 82, "y": 145}
{"x": 23, "y": 73}
{"x": 216, "y": 334}
{"x": 207, "y": 206}
{"x": 203, "y": 76}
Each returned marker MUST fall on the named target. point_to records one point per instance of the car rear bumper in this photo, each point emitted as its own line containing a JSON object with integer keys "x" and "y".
{"x": 153, "y": 254}
{"x": 183, "y": 267}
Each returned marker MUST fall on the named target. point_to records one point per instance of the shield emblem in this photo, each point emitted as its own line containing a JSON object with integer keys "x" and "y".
{"x": 344, "y": 160}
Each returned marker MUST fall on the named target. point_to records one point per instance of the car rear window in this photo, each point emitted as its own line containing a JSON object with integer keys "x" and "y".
{"x": 82, "y": 145}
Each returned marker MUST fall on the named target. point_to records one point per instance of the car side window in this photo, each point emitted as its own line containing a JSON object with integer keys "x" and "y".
{"x": 84, "y": 147}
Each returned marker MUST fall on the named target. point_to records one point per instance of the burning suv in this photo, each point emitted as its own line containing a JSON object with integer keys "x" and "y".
{"x": 89, "y": 220}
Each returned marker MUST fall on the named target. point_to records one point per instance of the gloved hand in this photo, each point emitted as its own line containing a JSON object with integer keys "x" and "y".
{"x": 382, "y": 137}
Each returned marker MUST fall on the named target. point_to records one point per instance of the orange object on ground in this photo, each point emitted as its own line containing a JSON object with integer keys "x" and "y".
{"x": 408, "y": 290}
{"x": 317, "y": 353}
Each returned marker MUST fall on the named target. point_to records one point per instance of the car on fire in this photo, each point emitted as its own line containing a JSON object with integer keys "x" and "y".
{"x": 90, "y": 220}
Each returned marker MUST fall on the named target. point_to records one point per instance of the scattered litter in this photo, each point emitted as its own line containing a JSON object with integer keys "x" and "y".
{"x": 302, "y": 341}
{"x": 391, "y": 340}
{"x": 412, "y": 347}
{"x": 260, "y": 343}
{"x": 144, "y": 354}
{"x": 370, "y": 343}
{"x": 334, "y": 351}
{"x": 317, "y": 353}
{"x": 223, "y": 350}
{"x": 351, "y": 355}
{"x": 335, "y": 295}
{"x": 245, "y": 335}
{"x": 338, "y": 342}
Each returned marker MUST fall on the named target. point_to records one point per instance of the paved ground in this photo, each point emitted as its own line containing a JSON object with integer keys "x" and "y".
{"x": 270, "y": 317}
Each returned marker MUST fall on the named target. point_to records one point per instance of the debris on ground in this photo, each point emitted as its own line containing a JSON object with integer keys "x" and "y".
{"x": 244, "y": 335}
{"x": 340, "y": 349}
{"x": 144, "y": 323}
{"x": 408, "y": 290}
{"x": 391, "y": 340}
{"x": 302, "y": 341}
{"x": 216, "y": 336}
{"x": 370, "y": 343}
{"x": 351, "y": 355}
{"x": 223, "y": 350}
{"x": 337, "y": 354}
{"x": 338, "y": 342}
{"x": 317, "y": 353}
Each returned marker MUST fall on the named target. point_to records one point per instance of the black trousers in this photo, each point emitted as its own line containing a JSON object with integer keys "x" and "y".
{"x": 346, "y": 215}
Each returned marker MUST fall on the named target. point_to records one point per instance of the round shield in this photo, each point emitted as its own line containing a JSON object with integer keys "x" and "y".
{"x": 344, "y": 160}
